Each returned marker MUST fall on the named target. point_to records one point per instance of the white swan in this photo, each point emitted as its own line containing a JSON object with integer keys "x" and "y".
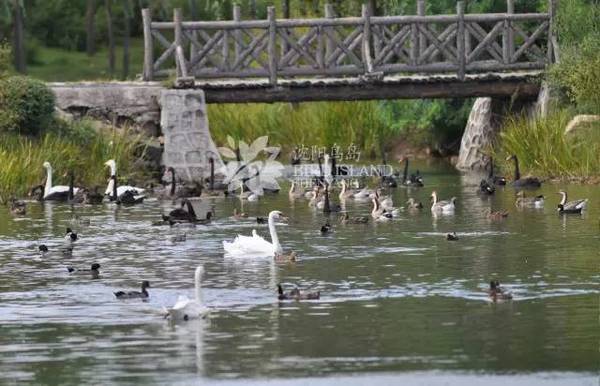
{"x": 121, "y": 189}
{"x": 186, "y": 308}
{"x": 445, "y": 206}
{"x": 255, "y": 245}
{"x": 58, "y": 192}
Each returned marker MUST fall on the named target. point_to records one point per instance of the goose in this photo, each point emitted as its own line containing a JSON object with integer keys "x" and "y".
{"x": 345, "y": 193}
{"x": 93, "y": 197}
{"x": 486, "y": 188}
{"x": 572, "y": 206}
{"x": 72, "y": 197}
{"x": 238, "y": 215}
{"x": 326, "y": 228}
{"x": 94, "y": 271}
{"x": 17, "y": 207}
{"x": 378, "y": 213}
{"x": 292, "y": 257}
{"x": 143, "y": 294}
{"x": 497, "y": 293}
{"x": 413, "y": 205}
{"x": 37, "y": 192}
{"x": 295, "y": 294}
{"x": 255, "y": 245}
{"x": 250, "y": 196}
{"x": 522, "y": 201}
{"x": 58, "y": 192}
{"x": 527, "y": 182}
{"x": 71, "y": 236}
{"x": 294, "y": 193}
{"x": 185, "y": 308}
{"x": 112, "y": 181}
{"x": 180, "y": 214}
{"x": 363, "y": 194}
{"x": 497, "y": 215}
{"x": 346, "y": 219}
{"x": 443, "y": 206}
{"x": 452, "y": 236}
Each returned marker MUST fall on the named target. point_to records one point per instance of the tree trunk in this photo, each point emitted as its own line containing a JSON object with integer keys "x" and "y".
{"x": 253, "y": 9}
{"x": 194, "y": 9}
{"x": 373, "y": 11}
{"x": 285, "y": 8}
{"x": 126, "y": 36}
{"x": 19, "y": 38}
{"x": 111, "y": 37}
{"x": 90, "y": 27}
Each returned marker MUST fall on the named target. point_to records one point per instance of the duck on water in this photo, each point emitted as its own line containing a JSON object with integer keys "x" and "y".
{"x": 143, "y": 294}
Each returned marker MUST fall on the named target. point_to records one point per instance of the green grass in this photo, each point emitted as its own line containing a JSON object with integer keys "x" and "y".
{"x": 59, "y": 65}
{"x": 543, "y": 149}
{"x": 309, "y": 124}
{"x": 78, "y": 148}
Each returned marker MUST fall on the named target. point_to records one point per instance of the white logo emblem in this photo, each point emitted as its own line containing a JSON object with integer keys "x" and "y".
{"x": 244, "y": 167}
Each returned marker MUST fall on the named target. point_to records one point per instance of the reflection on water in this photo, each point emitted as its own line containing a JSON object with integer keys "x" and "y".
{"x": 397, "y": 298}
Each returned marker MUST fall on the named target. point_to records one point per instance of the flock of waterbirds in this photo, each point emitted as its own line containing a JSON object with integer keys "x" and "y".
{"x": 319, "y": 197}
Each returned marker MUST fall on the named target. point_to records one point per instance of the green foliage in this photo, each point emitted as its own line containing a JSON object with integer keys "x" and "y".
{"x": 578, "y": 73}
{"x": 26, "y": 105}
{"x": 5, "y": 55}
{"x": 543, "y": 148}
{"x": 76, "y": 147}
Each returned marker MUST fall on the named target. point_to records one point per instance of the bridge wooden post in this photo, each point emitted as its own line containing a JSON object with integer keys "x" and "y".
{"x": 422, "y": 39}
{"x": 366, "y": 39}
{"x": 272, "y": 46}
{"x": 460, "y": 39}
{"x": 509, "y": 33}
{"x": 178, "y": 37}
{"x": 329, "y": 45}
{"x": 551, "y": 39}
{"x": 237, "y": 16}
{"x": 148, "y": 73}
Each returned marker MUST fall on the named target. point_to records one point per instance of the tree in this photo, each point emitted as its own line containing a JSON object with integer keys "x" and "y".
{"x": 19, "y": 36}
{"x": 127, "y": 12}
{"x": 90, "y": 27}
{"x": 285, "y": 8}
{"x": 111, "y": 37}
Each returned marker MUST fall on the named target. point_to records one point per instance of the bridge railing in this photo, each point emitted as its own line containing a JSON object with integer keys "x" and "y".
{"x": 351, "y": 46}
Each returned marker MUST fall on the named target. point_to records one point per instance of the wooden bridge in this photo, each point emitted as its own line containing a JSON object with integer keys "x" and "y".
{"x": 346, "y": 58}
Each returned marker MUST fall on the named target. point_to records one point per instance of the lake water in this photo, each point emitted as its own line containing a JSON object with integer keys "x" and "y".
{"x": 398, "y": 303}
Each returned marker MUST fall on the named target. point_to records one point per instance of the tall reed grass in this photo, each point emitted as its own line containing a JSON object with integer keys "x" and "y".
{"x": 544, "y": 149}
{"x": 310, "y": 124}
{"x": 76, "y": 147}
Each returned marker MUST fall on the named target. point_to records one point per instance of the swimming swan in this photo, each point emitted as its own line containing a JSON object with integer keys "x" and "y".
{"x": 186, "y": 308}
{"x": 58, "y": 192}
{"x": 121, "y": 189}
{"x": 444, "y": 206}
{"x": 255, "y": 245}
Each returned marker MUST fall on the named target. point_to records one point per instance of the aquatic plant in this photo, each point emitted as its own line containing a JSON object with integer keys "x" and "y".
{"x": 543, "y": 148}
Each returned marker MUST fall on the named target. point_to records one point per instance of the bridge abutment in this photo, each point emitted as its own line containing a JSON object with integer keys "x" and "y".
{"x": 188, "y": 145}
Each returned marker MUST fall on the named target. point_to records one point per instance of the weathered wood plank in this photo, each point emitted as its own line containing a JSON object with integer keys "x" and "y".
{"x": 272, "y": 46}
{"x": 148, "y": 45}
{"x": 366, "y": 42}
{"x": 536, "y": 34}
{"x": 485, "y": 43}
{"x": 460, "y": 40}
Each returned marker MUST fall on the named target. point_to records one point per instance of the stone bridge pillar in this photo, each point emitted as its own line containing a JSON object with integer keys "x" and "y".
{"x": 484, "y": 123}
{"x": 188, "y": 145}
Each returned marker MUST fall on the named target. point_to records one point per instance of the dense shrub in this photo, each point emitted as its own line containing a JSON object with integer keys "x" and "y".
{"x": 26, "y": 105}
{"x": 4, "y": 59}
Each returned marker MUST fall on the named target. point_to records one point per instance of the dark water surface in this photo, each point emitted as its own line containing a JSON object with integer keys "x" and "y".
{"x": 399, "y": 304}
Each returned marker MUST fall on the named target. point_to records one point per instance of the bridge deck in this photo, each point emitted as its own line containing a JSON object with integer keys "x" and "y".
{"x": 525, "y": 84}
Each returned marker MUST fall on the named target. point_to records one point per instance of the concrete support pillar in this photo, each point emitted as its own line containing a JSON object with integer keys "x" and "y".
{"x": 187, "y": 140}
